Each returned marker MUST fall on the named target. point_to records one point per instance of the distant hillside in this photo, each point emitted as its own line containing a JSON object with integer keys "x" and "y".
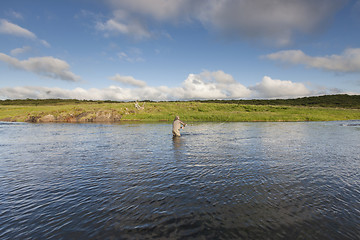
{"x": 333, "y": 101}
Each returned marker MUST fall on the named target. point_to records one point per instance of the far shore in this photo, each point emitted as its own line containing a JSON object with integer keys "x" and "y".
{"x": 328, "y": 108}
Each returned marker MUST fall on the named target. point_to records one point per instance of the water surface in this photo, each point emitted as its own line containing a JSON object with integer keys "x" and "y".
{"x": 217, "y": 181}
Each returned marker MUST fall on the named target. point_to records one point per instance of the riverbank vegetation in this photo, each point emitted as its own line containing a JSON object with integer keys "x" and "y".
{"x": 322, "y": 108}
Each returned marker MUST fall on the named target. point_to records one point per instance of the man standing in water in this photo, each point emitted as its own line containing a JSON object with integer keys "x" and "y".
{"x": 177, "y": 125}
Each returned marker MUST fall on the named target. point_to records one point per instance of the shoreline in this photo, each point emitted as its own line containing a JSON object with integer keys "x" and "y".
{"x": 95, "y": 112}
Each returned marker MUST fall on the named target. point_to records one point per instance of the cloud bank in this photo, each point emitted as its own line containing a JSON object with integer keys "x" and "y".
{"x": 275, "y": 22}
{"x": 348, "y": 61}
{"x": 205, "y": 85}
{"x": 49, "y": 67}
{"x": 9, "y": 28}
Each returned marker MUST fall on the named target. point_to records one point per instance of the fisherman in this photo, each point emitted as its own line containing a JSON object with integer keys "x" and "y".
{"x": 177, "y": 125}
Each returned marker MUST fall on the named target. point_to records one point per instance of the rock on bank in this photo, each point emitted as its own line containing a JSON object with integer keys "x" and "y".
{"x": 99, "y": 116}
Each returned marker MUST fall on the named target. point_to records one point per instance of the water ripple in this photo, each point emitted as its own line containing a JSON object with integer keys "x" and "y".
{"x": 218, "y": 181}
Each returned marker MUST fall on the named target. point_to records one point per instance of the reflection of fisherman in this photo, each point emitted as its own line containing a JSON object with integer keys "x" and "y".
{"x": 177, "y": 125}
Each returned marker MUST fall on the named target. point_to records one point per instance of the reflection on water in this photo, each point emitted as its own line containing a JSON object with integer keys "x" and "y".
{"x": 177, "y": 142}
{"x": 216, "y": 181}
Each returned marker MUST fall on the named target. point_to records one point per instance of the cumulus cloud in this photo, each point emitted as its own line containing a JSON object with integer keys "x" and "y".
{"x": 128, "y": 80}
{"x": 348, "y": 61}
{"x": 9, "y": 28}
{"x": 49, "y": 67}
{"x": 274, "y": 88}
{"x": 212, "y": 85}
{"x": 272, "y": 21}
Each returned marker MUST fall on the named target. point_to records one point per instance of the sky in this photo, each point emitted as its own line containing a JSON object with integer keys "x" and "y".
{"x": 165, "y": 50}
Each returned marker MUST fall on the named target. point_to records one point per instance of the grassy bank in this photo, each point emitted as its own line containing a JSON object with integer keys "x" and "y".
{"x": 100, "y": 111}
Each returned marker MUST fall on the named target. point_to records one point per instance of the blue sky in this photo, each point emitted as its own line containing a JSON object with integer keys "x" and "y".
{"x": 178, "y": 49}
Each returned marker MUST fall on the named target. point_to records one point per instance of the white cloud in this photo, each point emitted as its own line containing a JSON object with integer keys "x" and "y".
{"x": 274, "y": 88}
{"x": 273, "y": 22}
{"x": 128, "y": 80}
{"x": 22, "y": 50}
{"x": 119, "y": 25}
{"x": 348, "y": 61}
{"x": 9, "y": 28}
{"x": 213, "y": 85}
{"x": 49, "y": 67}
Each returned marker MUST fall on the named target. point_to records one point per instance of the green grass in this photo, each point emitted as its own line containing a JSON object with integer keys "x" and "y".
{"x": 188, "y": 111}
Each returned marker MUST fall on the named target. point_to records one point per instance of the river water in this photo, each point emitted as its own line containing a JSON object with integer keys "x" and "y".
{"x": 217, "y": 181}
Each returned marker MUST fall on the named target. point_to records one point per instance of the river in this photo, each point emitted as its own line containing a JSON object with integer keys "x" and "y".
{"x": 217, "y": 181}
